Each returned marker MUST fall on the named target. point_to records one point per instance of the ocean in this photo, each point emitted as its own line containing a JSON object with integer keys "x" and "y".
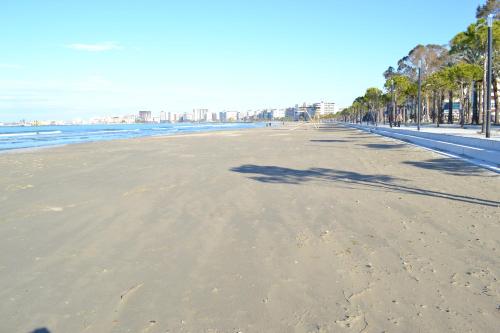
{"x": 19, "y": 137}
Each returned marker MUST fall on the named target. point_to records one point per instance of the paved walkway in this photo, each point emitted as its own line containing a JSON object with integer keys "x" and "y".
{"x": 473, "y": 131}
{"x": 465, "y": 143}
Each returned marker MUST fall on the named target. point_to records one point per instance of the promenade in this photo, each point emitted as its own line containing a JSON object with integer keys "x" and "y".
{"x": 471, "y": 131}
{"x": 262, "y": 230}
{"x": 466, "y": 143}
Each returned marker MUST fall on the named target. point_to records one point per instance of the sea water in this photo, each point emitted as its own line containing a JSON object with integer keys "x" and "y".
{"x": 18, "y": 137}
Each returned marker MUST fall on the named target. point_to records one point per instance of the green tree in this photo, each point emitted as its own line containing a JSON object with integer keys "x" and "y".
{"x": 401, "y": 87}
{"x": 462, "y": 76}
{"x": 374, "y": 99}
{"x": 470, "y": 46}
{"x": 436, "y": 83}
{"x": 490, "y": 7}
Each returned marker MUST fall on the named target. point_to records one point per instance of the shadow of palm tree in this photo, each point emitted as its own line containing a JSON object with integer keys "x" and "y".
{"x": 332, "y": 140}
{"x": 383, "y": 145}
{"x": 281, "y": 175}
{"x": 450, "y": 166}
{"x": 360, "y": 136}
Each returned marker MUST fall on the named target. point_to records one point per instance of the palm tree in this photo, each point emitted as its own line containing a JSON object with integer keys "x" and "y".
{"x": 470, "y": 45}
{"x": 373, "y": 99}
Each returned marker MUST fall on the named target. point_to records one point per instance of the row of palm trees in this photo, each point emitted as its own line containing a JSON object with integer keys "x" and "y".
{"x": 449, "y": 72}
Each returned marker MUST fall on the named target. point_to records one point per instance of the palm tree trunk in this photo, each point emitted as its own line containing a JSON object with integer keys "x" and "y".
{"x": 480, "y": 104}
{"x": 427, "y": 108}
{"x": 470, "y": 115}
{"x": 434, "y": 110}
{"x": 462, "y": 105}
{"x": 483, "y": 104}
{"x": 441, "y": 109}
{"x": 450, "y": 107}
{"x": 495, "y": 96}
{"x": 475, "y": 111}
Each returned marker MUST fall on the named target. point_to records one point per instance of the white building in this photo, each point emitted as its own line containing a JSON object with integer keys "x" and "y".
{"x": 324, "y": 108}
{"x": 145, "y": 116}
{"x": 163, "y": 117}
{"x": 278, "y": 113}
{"x": 172, "y": 117}
{"x": 200, "y": 115}
{"x": 129, "y": 119}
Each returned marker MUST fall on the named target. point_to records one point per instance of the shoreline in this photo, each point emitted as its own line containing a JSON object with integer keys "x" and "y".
{"x": 34, "y": 149}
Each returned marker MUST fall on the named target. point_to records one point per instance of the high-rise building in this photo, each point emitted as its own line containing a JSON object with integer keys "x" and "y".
{"x": 145, "y": 116}
{"x": 291, "y": 112}
{"x": 200, "y": 115}
{"x": 163, "y": 117}
{"x": 215, "y": 116}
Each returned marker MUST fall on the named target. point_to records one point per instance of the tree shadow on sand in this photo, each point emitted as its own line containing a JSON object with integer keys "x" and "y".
{"x": 450, "y": 166}
{"x": 328, "y": 140}
{"x": 360, "y": 136}
{"x": 281, "y": 175}
{"x": 384, "y": 145}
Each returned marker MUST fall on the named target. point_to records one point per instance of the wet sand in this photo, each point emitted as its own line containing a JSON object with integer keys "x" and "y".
{"x": 265, "y": 230}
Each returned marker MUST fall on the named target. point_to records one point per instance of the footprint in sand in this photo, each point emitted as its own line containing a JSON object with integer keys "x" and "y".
{"x": 20, "y": 187}
{"x": 351, "y": 321}
{"x": 53, "y": 209}
{"x": 325, "y": 235}
{"x": 302, "y": 240}
{"x": 149, "y": 326}
{"x": 138, "y": 190}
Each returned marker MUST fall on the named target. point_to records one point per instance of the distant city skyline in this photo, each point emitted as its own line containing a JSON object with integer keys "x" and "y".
{"x": 297, "y": 112}
{"x": 91, "y": 59}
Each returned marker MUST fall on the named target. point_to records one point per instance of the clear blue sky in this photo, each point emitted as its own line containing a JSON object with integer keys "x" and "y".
{"x": 69, "y": 59}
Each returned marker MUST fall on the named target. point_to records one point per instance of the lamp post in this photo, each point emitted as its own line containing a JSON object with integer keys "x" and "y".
{"x": 393, "y": 109}
{"x": 419, "y": 92}
{"x": 488, "y": 77}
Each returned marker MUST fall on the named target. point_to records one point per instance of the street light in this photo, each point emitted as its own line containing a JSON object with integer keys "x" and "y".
{"x": 393, "y": 109}
{"x": 488, "y": 77}
{"x": 419, "y": 89}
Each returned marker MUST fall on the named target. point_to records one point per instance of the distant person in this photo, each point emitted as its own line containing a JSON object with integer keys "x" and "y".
{"x": 399, "y": 118}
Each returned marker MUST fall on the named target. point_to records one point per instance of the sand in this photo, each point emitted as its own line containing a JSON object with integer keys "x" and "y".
{"x": 264, "y": 230}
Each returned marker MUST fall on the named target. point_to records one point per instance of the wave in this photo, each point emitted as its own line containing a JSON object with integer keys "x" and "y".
{"x": 29, "y": 133}
{"x": 165, "y": 129}
{"x": 114, "y": 131}
{"x": 37, "y": 137}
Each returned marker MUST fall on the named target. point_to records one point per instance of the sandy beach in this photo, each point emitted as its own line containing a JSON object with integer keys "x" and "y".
{"x": 261, "y": 230}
